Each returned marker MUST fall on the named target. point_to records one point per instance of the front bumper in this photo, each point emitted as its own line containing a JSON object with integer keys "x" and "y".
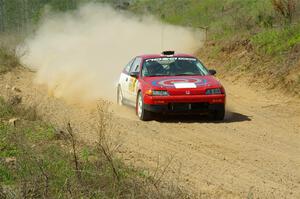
{"x": 185, "y": 104}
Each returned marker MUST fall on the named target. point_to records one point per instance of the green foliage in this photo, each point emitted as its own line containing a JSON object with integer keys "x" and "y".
{"x": 40, "y": 132}
{"x": 5, "y": 109}
{"x": 18, "y": 15}
{"x": 7, "y": 148}
{"x": 277, "y": 41}
{"x": 226, "y": 17}
{"x": 6, "y": 175}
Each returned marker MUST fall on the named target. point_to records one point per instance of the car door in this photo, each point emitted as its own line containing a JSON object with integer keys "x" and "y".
{"x": 124, "y": 80}
{"x": 133, "y": 81}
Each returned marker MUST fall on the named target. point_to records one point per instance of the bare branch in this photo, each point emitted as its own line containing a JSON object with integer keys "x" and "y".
{"x": 74, "y": 150}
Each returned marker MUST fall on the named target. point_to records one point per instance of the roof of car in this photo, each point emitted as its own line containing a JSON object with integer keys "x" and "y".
{"x": 151, "y": 56}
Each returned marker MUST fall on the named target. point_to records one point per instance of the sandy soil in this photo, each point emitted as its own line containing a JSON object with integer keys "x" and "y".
{"x": 254, "y": 153}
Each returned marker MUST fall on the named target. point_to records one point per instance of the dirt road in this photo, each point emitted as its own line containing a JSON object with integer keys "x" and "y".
{"x": 254, "y": 153}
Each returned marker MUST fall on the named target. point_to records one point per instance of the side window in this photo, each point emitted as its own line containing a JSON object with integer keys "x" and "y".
{"x": 136, "y": 65}
{"x": 128, "y": 66}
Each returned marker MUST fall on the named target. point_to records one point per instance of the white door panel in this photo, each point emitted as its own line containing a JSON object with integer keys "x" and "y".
{"x": 132, "y": 88}
{"x": 124, "y": 79}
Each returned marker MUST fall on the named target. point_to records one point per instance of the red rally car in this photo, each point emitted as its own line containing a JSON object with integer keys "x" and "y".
{"x": 170, "y": 83}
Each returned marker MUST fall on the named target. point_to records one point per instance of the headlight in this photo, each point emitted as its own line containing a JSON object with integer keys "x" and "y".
{"x": 214, "y": 91}
{"x": 157, "y": 93}
{"x": 160, "y": 93}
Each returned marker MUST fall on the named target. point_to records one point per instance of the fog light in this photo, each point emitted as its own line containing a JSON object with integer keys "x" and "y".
{"x": 217, "y": 100}
{"x": 159, "y": 102}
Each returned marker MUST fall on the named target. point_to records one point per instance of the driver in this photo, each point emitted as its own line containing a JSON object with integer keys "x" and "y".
{"x": 183, "y": 67}
{"x": 153, "y": 68}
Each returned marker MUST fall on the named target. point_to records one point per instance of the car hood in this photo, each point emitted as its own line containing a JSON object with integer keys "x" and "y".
{"x": 182, "y": 82}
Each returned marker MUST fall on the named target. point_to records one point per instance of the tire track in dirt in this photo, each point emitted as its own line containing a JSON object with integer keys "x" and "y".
{"x": 255, "y": 151}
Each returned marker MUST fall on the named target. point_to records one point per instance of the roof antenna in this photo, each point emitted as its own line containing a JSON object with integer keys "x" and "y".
{"x": 162, "y": 32}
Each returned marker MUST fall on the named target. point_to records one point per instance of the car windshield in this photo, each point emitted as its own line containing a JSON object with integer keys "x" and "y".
{"x": 173, "y": 66}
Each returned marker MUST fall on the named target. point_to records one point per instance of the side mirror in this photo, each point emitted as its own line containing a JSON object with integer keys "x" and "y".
{"x": 134, "y": 74}
{"x": 212, "y": 72}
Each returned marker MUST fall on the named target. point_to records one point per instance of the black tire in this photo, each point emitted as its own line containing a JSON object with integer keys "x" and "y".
{"x": 120, "y": 96}
{"x": 218, "y": 114}
{"x": 143, "y": 114}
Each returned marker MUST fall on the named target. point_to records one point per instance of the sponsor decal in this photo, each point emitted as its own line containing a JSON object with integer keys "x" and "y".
{"x": 132, "y": 84}
{"x": 185, "y": 85}
{"x": 170, "y": 82}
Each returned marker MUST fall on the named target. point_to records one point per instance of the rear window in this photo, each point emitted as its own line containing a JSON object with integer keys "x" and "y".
{"x": 173, "y": 66}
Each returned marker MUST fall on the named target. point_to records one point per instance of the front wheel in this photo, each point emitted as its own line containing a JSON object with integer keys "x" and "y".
{"x": 119, "y": 96}
{"x": 143, "y": 114}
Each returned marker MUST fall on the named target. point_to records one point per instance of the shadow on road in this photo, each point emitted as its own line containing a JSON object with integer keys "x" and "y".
{"x": 230, "y": 117}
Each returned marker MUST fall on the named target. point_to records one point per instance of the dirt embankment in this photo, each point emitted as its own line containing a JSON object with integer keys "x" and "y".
{"x": 236, "y": 59}
{"x": 253, "y": 153}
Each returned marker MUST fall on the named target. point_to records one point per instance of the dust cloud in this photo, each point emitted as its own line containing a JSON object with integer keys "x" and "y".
{"x": 79, "y": 55}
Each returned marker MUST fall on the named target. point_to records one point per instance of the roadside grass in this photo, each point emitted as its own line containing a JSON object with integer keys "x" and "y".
{"x": 226, "y": 18}
{"x": 277, "y": 41}
{"x": 39, "y": 161}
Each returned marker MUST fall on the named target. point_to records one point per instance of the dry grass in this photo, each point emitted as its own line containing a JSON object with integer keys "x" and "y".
{"x": 39, "y": 161}
{"x": 8, "y": 59}
{"x": 286, "y": 8}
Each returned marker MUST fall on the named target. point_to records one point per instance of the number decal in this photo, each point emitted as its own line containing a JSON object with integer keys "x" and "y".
{"x": 132, "y": 84}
